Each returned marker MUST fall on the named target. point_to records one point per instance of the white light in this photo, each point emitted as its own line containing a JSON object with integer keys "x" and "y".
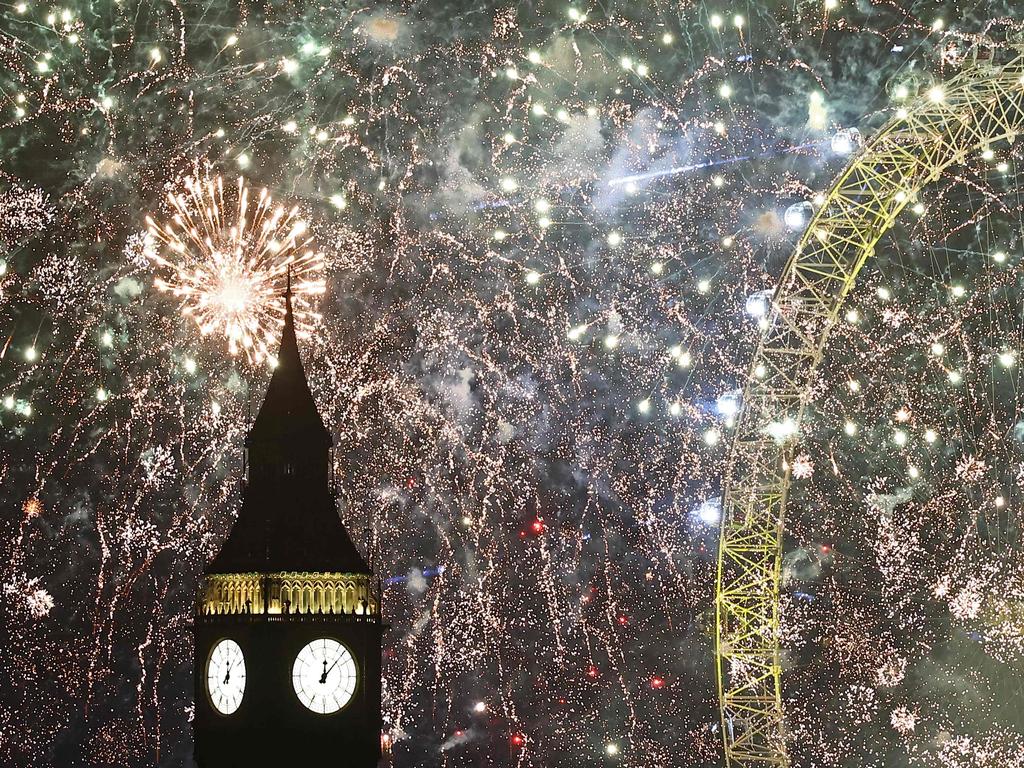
{"x": 852, "y": 316}
{"x": 289, "y": 66}
{"x": 339, "y": 202}
{"x": 724, "y": 91}
{"x": 830, "y": 4}
{"x": 780, "y": 431}
{"x": 155, "y": 55}
{"x": 190, "y": 365}
{"x": 797, "y": 214}
{"x": 883, "y": 293}
{"x": 913, "y": 472}
{"x": 243, "y": 160}
{"x": 930, "y": 436}
{"x": 575, "y": 333}
{"x": 1000, "y": 501}
{"x": 850, "y": 428}
{"x": 675, "y": 409}
{"x": 9, "y": 402}
{"x": 987, "y": 153}
{"x": 509, "y": 184}
{"x": 544, "y": 222}
{"x": 107, "y": 339}
{"x": 480, "y": 706}
{"x": 533, "y": 57}
{"x": 728, "y": 404}
{"x": 614, "y": 239}
{"x": 532, "y": 277}
{"x": 500, "y": 234}
{"x": 685, "y": 360}
{"x": 718, "y": 180}
{"x": 611, "y": 341}
{"x": 1007, "y": 359}
{"x": 215, "y": 408}
{"x": 999, "y": 257}
{"x": 642, "y": 70}
{"x": 512, "y": 73}
{"x": 667, "y": 39}
{"x": 626, "y": 63}
{"x": 854, "y": 385}
{"x": 899, "y": 437}
{"x": 232, "y": 39}
{"x": 938, "y": 24}
{"x": 716, "y": 21}
{"x": 760, "y": 371}
{"x": 541, "y": 205}
{"x": 611, "y": 749}
{"x": 644, "y": 406}
{"x": 711, "y": 437}
{"x": 936, "y": 94}
{"x": 845, "y": 141}
{"x": 1002, "y": 167}
{"x": 290, "y": 127}
{"x": 510, "y": 138}
{"x": 727, "y": 242}
{"x": 758, "y": 303}
{"x": 101, "y": 394}
{"x": 657, "y": 268}
{"x": 539, "y": 110}
{"x": 918, "y": 209}
{"x": 710, "y": 511}
{"x": 737, "y": 21}
{"x": 704, "y": 286}
{"x": 958, "y": 291}
{"x": 901, "y": 92}
{"x": 955, "y": 377}
{"x": 937, "y": 349}
{"x": 31, "y": 354}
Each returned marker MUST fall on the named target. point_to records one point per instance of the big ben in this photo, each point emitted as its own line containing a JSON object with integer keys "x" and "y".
{"x": 288, "y": 631}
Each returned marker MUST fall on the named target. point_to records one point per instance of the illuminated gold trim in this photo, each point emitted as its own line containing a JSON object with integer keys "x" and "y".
{"x": 289, "y": 592}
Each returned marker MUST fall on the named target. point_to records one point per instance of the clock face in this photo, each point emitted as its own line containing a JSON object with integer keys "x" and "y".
{"x": 324, "y": 676}
{"x": 225, "y": 676}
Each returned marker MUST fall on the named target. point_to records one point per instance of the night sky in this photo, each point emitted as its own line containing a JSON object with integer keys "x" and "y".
{"x": 536, "y": 240}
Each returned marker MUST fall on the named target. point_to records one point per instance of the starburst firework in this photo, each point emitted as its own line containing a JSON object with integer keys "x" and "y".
{"x": 227, "y": 258}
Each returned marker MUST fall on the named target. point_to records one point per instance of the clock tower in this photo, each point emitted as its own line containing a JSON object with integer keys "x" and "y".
{"x": 288, "y": 631}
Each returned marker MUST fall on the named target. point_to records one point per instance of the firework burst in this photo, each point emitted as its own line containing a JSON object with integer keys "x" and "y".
{"x": 227, "y": 257}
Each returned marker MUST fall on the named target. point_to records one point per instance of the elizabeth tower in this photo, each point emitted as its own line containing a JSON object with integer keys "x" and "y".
{"x": 288, "y": 631}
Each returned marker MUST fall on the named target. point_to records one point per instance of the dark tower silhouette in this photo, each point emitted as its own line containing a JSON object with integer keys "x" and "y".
{"x": 288, "y": 632}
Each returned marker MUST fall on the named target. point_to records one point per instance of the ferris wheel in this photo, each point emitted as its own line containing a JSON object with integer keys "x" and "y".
{"x": 946, "y": 125}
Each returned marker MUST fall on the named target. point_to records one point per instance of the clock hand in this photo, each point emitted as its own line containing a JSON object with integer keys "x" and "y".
{"x": 323, "y": 677}
{"x": 227, "y": 675}
{"x": 332, "y": 665}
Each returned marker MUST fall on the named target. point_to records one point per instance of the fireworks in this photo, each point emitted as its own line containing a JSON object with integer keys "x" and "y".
{"x": 228, "y": 258}
{"x": 547, "y": 275}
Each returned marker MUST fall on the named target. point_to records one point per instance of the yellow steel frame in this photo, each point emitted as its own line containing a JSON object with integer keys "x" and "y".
{"x": 982, "y": 105}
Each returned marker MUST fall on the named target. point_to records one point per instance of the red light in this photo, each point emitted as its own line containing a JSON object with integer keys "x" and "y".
{"x": 537, "y": 525}
{"x": 591, "y": 671}
{"x": 657, "y": 683}
{"x": 623, "y": 620}
{"x": 826, "y": 549}
{"x": 518, "y": 739}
